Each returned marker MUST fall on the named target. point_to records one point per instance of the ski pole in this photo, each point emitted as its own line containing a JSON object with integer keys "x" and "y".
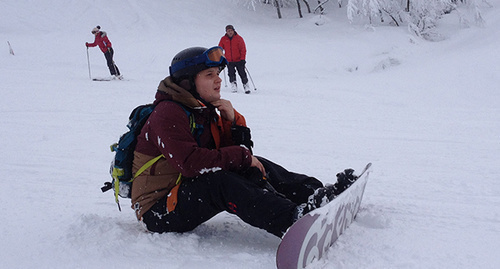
{"x": 88, "y": 62}
{"x": 10, "y": 49}
{"x": 225, "y": 82}
{"x": 250, "y": 76}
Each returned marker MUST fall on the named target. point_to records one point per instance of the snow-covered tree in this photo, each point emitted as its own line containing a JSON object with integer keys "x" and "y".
{"x": 383, "y": 9}
{"x": 474, "y": 7}
{"x": 420, "y": 16}
{"x": 370, "y": 9}
{"x": 423, "y": 15}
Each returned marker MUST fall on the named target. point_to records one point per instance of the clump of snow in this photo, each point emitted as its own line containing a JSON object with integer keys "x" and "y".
{"x": 210, "y": 170}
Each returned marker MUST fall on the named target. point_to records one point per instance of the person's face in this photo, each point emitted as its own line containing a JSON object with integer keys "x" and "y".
{"x": 230, "y": 32}
{"x": 208, "y": 84}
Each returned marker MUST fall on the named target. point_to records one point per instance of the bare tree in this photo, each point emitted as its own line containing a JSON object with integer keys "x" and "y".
{"x": 307, "y": 5}
{"x": 277, "y": 8}
{"x": 320, "y": 6}
{"x": 298, "y": 7}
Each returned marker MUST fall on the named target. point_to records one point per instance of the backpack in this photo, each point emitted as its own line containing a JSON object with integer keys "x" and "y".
{"x": 121, "y": 166}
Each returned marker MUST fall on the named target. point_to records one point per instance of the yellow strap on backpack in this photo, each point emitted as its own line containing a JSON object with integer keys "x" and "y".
{"x": 119, "y": 172}
{"x": 146, "y": 166}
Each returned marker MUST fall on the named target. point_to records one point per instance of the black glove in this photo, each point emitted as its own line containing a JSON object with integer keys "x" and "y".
{"x": 241, "y": 136}
{"x": 254, "y": 175}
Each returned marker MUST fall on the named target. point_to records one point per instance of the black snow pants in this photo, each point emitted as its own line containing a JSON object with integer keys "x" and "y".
{"x": 240, "y": 67}
{"x": 201, "y": 198}
{"x": 113, "y": 69}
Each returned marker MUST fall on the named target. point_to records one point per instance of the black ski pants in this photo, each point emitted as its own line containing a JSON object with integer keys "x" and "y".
{"x": 240, "y": 67}
{"x": 246, "y": 196}
{"x": 113, "y": 69}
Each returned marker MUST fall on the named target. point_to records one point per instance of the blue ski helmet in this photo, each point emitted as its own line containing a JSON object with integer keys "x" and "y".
{"x": 189, "y": 62}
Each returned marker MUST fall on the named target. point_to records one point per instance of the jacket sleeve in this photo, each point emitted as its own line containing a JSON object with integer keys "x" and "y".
{"x": 243, "y": 49}
{"x": 168, "y": 129}
{"x": 93, "y": 44}
{"x": 221, "y": 43}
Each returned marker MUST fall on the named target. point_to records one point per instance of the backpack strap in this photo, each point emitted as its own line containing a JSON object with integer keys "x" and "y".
{"x": 143, "y": 168}
{"x": 196, "y": 129}
{"x": 147, "y": 165}
{"x": 192, "y": 125}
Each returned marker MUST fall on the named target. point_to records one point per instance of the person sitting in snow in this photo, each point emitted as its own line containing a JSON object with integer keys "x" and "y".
{"x": 207, "y": 165}
{"x": 101, "y": 40}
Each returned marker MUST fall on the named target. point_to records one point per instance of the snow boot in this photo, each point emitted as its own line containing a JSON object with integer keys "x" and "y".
{"x": 324, "y": 195}
{"x": 246, "y": 88}
{"x": 344, "y": 180}
{"x": 234, "y": 87}
{"x": 319, "y": 198}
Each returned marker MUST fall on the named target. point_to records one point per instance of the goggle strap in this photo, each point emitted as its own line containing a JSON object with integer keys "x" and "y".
{"x": 203, "y": 58}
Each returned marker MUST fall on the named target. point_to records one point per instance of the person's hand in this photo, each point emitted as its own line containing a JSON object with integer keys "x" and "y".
{"x": 226, "y": 109}
{"x": 258, "y": 164}
{"x": 87, "y": 44}
{"x": 243, "y": 62}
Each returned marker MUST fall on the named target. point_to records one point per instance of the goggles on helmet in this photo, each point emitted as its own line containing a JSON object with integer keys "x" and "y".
{"x": 211, "y": 57}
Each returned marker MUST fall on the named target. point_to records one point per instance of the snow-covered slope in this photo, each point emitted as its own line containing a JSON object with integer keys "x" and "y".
{"x": 328, "y": 97}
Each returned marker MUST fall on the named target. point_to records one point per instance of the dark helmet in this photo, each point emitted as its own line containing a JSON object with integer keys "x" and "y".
{"x": 189, "y": 62}
{"x": 96, "y": 29}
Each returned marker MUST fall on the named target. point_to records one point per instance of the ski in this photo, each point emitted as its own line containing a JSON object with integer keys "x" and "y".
{"x": 107, "y": 79}
{"x": 309, "y": 238}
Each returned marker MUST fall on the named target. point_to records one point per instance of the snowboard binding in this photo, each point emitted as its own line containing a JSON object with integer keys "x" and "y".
{"x": 324, "y": 195}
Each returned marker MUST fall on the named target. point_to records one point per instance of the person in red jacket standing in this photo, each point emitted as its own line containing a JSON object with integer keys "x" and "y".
{"x": 101, "y": 40}
{"x": 235, "y": 52}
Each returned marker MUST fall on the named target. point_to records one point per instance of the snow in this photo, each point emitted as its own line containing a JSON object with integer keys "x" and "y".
{"x": 328, "y": 97}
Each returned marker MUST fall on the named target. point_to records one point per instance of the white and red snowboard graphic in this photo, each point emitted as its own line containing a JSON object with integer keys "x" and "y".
{"x": 307, "y": 239}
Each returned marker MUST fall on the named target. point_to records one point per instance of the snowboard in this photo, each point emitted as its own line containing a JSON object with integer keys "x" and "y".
{"x": 309, "y": 238}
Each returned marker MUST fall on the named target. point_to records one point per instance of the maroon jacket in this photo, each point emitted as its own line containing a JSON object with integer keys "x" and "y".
{"x": 168, "y": 132}
{"x": 234, "y": 48}
{"x": 101, "y": 40}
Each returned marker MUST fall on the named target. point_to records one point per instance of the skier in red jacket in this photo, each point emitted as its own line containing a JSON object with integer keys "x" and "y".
{"x": 101, "y": 40}
{"x": 235, "y": 52}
